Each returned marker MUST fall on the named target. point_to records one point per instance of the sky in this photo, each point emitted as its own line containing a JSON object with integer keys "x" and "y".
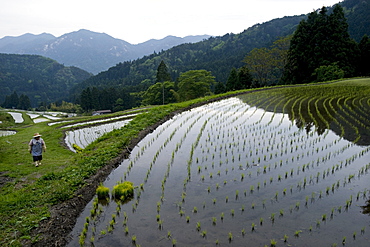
{"x": 137, "y": 21}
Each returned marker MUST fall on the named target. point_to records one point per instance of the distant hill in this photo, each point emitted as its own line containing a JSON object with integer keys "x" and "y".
{"x": 216, "y": 54}
{"x": 41, "y": 79}
{"x": 220, "y": 54}
{"x": 91, "y": 51}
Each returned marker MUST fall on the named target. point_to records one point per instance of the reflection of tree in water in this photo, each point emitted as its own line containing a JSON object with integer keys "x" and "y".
{"x": 317, "y": 111}
{"x": 366, "y": 208}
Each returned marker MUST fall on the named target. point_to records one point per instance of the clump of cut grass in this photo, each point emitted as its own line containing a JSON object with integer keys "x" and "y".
{"x": 102, "y": 192}
{"x": 123, "y": 191}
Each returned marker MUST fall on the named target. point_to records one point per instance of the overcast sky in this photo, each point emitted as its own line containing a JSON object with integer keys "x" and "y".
{"x": 136, "y": 21}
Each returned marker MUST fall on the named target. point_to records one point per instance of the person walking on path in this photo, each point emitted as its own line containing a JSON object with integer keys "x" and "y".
{"x": 35, "y": 147}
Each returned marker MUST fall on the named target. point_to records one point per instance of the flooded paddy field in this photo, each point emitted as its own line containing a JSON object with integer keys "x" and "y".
{"x": 278, "y": 168}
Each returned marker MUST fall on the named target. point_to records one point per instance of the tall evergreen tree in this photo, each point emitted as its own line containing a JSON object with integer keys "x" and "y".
{"x": 85, "y": 99}
{"x": 321, "y": 40}
{"x": 363, "y": 61}
{"x": 245, "y": 78}
{"x": 24, "y": 102}
{"x": 12, "y": 101}
{"x": 232, "y": 80}
{"x": 162, "y": 73}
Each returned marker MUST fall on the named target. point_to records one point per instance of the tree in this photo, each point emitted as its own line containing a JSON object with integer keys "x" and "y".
{"x": 11, "y": 101}
{"x": 162, "y": 73}
{"x": 321, "y": 40}
{"x": 245, "y": 78}
{"x": 267, "y": 64}
{"x": 194, "y": 84}
{"x": 220, "y": 88}
{"x": 363, "y": 61}
{"x": 85, "y": 99}
{"x": 24, "y": 102}
{"x": 232, "y": 80}
{"x": 154, "y": 94}
{"x": 328, "y": 73}
{"x": 260, "y": 63}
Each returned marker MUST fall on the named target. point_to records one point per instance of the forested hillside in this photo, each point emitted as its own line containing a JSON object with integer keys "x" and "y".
{"x": 41, "y": 79}
{"x": 220, "y": 54}
{"x": 216, "y": 54}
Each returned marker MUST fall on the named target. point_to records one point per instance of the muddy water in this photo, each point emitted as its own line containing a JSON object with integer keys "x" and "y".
{"x": 228, "y": 166}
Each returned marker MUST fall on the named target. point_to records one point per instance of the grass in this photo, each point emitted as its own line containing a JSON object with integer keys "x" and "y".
{"x": 28, "y": 197}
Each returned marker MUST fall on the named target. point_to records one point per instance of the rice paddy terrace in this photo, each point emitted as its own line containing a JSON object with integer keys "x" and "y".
{"x": 279, "y": 167}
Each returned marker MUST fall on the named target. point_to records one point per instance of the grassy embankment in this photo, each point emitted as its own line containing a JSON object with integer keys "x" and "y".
{"x": 27, "y": 198}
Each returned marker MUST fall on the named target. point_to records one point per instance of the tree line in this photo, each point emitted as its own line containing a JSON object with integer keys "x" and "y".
{"x": 13, "y": 101}
{"x": 319, "y": 50}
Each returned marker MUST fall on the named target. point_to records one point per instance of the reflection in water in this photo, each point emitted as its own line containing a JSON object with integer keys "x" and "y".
{"x": 321, "y": 108}
{"x": 198, "y": 169}
{"x": 366, "y": 208}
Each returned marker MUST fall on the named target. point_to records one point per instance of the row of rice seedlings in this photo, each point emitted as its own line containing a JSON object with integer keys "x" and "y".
{"x": 84, "y": 136}
{"x": 212, "y": 176}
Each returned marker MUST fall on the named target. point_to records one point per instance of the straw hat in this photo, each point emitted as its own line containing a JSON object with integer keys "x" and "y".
{"x": 36, "y": 135}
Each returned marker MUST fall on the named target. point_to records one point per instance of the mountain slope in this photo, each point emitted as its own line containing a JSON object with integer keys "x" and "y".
{"x": 91, "y": 51}
{"x": 24, "y": 42}
{"x": 216, "y": 54}
{"x": 41, "y": 79}
{"x": 220, "y": 54}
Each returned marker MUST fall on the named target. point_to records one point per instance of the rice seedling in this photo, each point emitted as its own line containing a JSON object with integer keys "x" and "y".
{"x": 281, "y": 212}
{"x": 273, "y": 242}
{"x": 230, "y": 236}
{"x": 296, "y": 233}
{"x": 285, "y": 238}
{"x": 198, "y": 227}
{"x": 214, "y": 220}
{"x": 133, "y": 239}
{"x": 160, "y": 224}
{"x": 323, "y": 217}
{"x": 272, "y": 217}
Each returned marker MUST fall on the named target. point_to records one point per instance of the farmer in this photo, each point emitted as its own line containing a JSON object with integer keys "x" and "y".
{"x": 35, "y": 147}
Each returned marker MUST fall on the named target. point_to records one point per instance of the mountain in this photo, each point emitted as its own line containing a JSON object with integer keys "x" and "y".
{"x": 220, "y": 54}
{"x": 24, "y": 42}
{"x": 91, "y": 51}
{"x": 41, "y": 79}
{"x": 216, "y": 54}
